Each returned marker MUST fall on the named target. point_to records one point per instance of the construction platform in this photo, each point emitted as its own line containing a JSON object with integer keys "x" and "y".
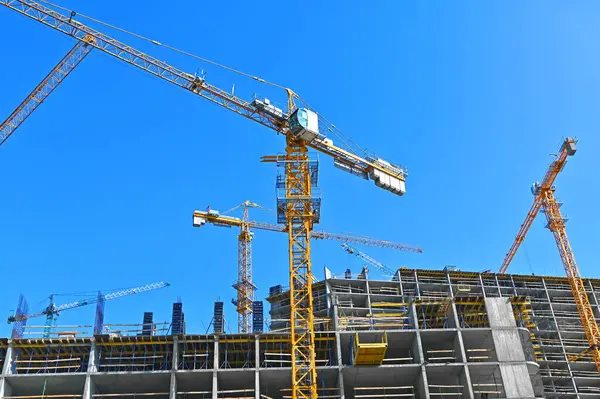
{"x": 425, "y": 334}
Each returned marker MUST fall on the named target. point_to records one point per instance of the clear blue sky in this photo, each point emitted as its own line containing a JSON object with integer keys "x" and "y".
{"x": 100, "y": 183}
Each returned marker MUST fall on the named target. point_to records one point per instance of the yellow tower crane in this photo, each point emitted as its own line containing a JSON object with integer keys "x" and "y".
{"x": 244, "y": 285}
{"x": 544, "y": 199}
{"x": 303, "y": 128}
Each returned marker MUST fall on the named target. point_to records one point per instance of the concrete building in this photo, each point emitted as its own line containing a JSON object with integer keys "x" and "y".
{"x": 424, "y": 334}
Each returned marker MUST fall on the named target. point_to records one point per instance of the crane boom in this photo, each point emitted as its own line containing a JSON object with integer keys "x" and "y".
{"x": 373, "y": 262}
{"x": 53, "y": 309}
{"x": 214, "y": 217}
{"x": 46, "y": 86}
{"x": 384, "y": 174}
{"x": 567, "y": 149}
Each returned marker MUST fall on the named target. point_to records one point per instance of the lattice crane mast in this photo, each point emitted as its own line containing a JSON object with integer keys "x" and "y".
{"x": 52, "y": 310}
{"x": 244, "y": 285}
{"x": 371, "y": 261}
{"x": 46, "y": 86}
{"x": 544, "y": 199}
{"x": 303, "y": 129}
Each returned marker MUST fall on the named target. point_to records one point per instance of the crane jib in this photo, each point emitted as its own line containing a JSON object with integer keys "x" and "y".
{"x": 383, "y": 173}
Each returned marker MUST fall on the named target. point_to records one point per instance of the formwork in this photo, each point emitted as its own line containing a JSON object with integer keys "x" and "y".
{"x": 422, "y": 334}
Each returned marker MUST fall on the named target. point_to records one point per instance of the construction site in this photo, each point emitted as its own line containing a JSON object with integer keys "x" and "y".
{"x": 382, "y": 333}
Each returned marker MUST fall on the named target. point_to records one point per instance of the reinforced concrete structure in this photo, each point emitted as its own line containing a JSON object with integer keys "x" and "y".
{"x": 424, "y": 334}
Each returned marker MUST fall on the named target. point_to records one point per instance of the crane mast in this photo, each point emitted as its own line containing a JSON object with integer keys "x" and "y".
{"x": 300, "y": 126}
{"x": 46, "y": 87}
{"x": 544, "y": 199}
{"x": 300, "y": 218}
{"x": 244, "y": 286}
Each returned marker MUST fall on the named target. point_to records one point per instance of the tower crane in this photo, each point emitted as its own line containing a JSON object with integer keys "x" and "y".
{"x": 303, "y": 128}
{"x": 244, "y": 286}
{"x": 46, "y": 86}
{"x": 545, "y": 200}
{"x": 52, "y": 310}
{"x": 371, "y": 261}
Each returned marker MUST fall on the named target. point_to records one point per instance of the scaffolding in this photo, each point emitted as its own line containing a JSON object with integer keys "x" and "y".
{"x": 152, "y": 353}
{"x": 236, "y": 351}
{"x": 471, "y": 311}
{"x": 433, "y": 313}
{"x": 51, "y": 356}
{"x": 196, "y": 352}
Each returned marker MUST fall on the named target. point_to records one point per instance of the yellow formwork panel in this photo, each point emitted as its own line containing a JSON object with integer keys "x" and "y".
{"x": 369, "y": 353}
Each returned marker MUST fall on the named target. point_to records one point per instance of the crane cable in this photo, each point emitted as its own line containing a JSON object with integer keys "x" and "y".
{"x": 331, "y": 126}
{"x": 157, "y": 43}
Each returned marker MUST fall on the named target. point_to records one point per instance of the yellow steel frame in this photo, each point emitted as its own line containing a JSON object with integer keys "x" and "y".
{"x": 556, "y": 224}
{"x": 299, "y": 216}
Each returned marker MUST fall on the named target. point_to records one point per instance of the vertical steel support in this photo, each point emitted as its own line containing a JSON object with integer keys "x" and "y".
{"x": 47, "y": 86}
{"x": 244, "y": 286}
{"x": 556, "y": 224}
{"x": 300, "y": 217}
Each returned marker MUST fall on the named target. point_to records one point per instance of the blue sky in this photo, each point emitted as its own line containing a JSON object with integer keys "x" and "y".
{"x": 99, "y": 184}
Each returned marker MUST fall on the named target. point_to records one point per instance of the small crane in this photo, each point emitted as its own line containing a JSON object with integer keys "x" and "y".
{"x": 544, "y": 199}
{"x": 52, "y": 310}
{"x": 371, "y": 261}
{"x": 244, "y": 286}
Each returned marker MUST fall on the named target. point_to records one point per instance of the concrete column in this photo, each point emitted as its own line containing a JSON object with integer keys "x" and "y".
{"x": 498, "y": 285}
{"x": 465, "y": 381}
{"x": 413, "y": 312}
{"x": 5, "y": 389}
{"x": 482, "y": 286}
{"x": 336, "y": 320}
{"x": 368, "y": 287}
{"x": 423, "y": 385}
{"x": 450, "y": 285}
{"x": 399, "y": 277}
{"x": 89, "y": 388}
{"x": 418, "y": 349}
{"x": 507, "y": 342}
{"x": 175, "y": 355}
{"x": 257, "y": 367}
{"x": 462, "y": 353}
{"x": 173, "y": 386}
{"x": 512, "y": 280}
{"x": 8, "y": 359}
{"x": 93, "y": 361}
{"x": 215, "y": 385}
{"x": 417, "y": 288}
{"x": 341, "y": 383}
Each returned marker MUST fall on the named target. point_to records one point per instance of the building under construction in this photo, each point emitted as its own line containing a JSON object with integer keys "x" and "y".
{"x": 420, "y": 334}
